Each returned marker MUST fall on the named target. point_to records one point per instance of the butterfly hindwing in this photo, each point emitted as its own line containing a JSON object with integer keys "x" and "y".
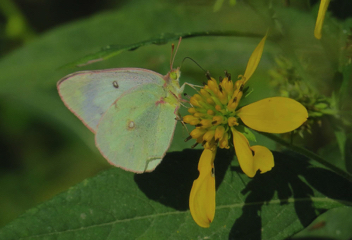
{"x": 136, "y": 131}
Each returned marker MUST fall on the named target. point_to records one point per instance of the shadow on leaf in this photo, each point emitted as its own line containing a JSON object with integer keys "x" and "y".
{"x": 291, "y": 179}
{"x": 171, "y": 182}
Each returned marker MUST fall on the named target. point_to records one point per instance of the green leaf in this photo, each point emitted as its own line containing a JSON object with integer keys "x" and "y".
{"x": 329, "y": 111}
{"x": 335, "y": 224}
{"x": 321, "y": 106}
{"x": 113, "y": 50}
{"x": 120, "y": 205}
{"x": 341, "y": 138}
{"x": 246, "y": 132}
{"x": 315, "y": 114}
{"x": 346, "y": 84}
{"x": 309, "y": 154}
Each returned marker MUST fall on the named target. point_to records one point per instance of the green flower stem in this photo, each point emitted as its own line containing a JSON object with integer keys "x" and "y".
{"x": 309, "y": 154}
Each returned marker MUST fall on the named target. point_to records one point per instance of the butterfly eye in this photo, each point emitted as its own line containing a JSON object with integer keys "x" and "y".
{"x": 173, "y": 75}
{"x": 115, "y": 84}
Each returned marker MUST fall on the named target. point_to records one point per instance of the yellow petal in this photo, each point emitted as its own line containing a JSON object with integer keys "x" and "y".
{"x": 274, "y": 115}
{"x": 243, "y": 153}
{"x": 320, "y": 19}
{"x": 251, "y": 159}
{"x": 202, "y": 197}
{"x": 263, "y": 159}
{"x": 254, "y": 60}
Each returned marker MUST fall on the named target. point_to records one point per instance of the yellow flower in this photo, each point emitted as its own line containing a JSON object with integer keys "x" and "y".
{"x": 216, "y": 118}
{"x": 320, "y": 19}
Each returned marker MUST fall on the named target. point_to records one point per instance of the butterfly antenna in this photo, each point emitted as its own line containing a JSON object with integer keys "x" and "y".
{"x": 194, "y": 62}
{"x": 173, "y": 59}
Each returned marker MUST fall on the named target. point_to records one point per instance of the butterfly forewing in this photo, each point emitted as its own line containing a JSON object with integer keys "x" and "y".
{"x": 89, "y": 94}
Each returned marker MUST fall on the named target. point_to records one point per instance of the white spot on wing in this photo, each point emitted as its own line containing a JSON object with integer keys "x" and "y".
{"x": 131, "y": 125}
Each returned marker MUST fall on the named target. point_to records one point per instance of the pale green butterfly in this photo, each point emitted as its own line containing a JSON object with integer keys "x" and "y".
{"x": 131, "y": 111}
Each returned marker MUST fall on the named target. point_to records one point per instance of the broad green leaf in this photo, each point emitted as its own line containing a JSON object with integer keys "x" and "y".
{"x": 333, "y": 224}
{"x": 327, "y": 161}
{"x": 113, "y": 50}
{"x": 119, "y": 205}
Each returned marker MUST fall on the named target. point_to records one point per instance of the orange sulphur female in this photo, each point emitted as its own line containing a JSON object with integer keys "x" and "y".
{"x": 131, "y": 111}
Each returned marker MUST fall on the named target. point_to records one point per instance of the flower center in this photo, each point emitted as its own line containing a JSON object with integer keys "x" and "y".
{"x": 213, "y": 111}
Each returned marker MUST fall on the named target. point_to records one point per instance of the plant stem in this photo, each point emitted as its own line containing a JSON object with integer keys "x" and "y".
{"x": 309, "y": 154}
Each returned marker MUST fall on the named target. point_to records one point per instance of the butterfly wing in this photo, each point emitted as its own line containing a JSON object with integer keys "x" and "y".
{"x": 89, "y": 94}
{"x": 137, "y": 129}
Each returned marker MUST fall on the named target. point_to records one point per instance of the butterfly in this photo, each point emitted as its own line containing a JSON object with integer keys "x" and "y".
{"x": 131, "y": 111}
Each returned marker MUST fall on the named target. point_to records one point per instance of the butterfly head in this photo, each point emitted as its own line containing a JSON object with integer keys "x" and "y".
{"x": 175, "y": 74}
{"x": 172, "y": 86}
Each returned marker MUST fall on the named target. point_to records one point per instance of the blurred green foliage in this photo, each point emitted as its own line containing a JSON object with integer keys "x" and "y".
{"x": 45, "y": 150}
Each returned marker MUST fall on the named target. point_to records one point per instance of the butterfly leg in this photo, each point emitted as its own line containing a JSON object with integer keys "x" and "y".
{"x": 189, "y": 84}
{"x": 179, "y": 118}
